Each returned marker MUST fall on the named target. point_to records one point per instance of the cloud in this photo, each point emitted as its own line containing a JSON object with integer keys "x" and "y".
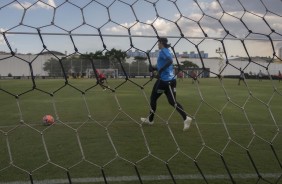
{"x": 210, "y": 21}
{"x": 190, "y": 27}
{"x": 252, "y": 18}
{"x": 1, "y": 37}
{"x": 211, "y": 27}
{"x": 45, "y": 6}
{"x": 39, "y": 5}
{"x": 21, "y": 5}
{"x": 213, "y": 6}
{"x": 163, "y": 28}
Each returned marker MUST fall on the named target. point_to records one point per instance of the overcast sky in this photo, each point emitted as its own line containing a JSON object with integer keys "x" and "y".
{"x": 118, "y": 17}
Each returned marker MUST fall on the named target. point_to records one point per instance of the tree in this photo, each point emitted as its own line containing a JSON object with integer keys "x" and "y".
{"x": 188, "y": 64}
{"x": 100, "y": 60}
{"x": 140, "y": 58}
{"x": 115, "y": 57}
{"x": 78, "y": 65}
{"x": 53, "y": 67}
{"x": 73, "y": 65}
{"x": 97, "y": 55}
{"x": 139, "y": 66}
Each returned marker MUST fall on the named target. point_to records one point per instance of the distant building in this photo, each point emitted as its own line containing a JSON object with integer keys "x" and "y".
{"x": 136, "y": 53}
{"x": 3, "y": 53}
{"x": 185, "y": 55}
{"x": 192, "y": 54}
{"x": 177, "y": 54}
{"x": 53, "y": 52}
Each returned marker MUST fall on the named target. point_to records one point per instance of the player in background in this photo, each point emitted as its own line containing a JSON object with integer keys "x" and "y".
{"x": 102, "y": 79}
{"x": 180, "y": 76}
{"x": 194, "y": 77}
{"x": 260, "y": 74}
{"x": 241, "y": 77}
{"x": 279, "y": 76}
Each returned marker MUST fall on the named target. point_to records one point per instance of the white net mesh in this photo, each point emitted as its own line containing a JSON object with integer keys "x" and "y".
{"x": 49, "y": 64}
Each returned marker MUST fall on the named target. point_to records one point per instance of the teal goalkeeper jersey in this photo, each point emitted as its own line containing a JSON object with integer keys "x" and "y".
{"x": 164, "y": 57}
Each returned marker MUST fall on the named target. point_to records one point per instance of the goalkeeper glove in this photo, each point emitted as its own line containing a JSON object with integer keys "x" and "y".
{"x": 156, "y": 74}
{"x": 152, "y": 68}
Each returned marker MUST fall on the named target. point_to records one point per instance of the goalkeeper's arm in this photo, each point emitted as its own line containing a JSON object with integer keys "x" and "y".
{"x": 169, "y": 62}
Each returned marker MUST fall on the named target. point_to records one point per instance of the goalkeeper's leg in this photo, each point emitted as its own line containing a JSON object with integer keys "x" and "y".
{"x": 171, "y": 97}
{"x": 157, "y": 91}
{"x": 155, "y": 94}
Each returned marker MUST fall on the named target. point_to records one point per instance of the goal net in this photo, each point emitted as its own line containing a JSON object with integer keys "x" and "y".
{"x": 227, "y": 64}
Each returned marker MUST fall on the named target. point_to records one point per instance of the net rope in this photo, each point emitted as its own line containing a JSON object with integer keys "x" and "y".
{"x": 273, "y": 35}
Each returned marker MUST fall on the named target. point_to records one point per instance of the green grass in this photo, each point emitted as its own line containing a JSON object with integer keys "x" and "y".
{"x": 102, "y": 130}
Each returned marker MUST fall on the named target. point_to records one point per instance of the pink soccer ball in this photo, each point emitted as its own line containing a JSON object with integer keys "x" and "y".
{"x": 48, "y": 120}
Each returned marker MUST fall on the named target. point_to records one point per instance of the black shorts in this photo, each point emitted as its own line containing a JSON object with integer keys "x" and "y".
{"x": 165, "y": 86}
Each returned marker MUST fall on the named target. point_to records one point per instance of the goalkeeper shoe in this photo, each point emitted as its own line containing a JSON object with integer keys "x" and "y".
{"x": 147, "y": 121}
{"x": 187, "y": 123}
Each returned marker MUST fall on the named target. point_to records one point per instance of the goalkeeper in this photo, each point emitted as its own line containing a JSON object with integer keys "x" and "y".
{"x": 166, "y": 83}
{"x": 101, "y": 79}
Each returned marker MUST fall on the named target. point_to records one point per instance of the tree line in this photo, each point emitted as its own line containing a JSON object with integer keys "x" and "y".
{"x": 79, "y": 64}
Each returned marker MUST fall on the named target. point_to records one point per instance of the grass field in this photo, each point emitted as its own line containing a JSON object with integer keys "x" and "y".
{"x": 235, "y": 129}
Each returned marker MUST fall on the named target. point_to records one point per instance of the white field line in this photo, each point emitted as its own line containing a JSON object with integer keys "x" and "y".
{"x": 148, "y": 178}
{"x": 106, "y": 122}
